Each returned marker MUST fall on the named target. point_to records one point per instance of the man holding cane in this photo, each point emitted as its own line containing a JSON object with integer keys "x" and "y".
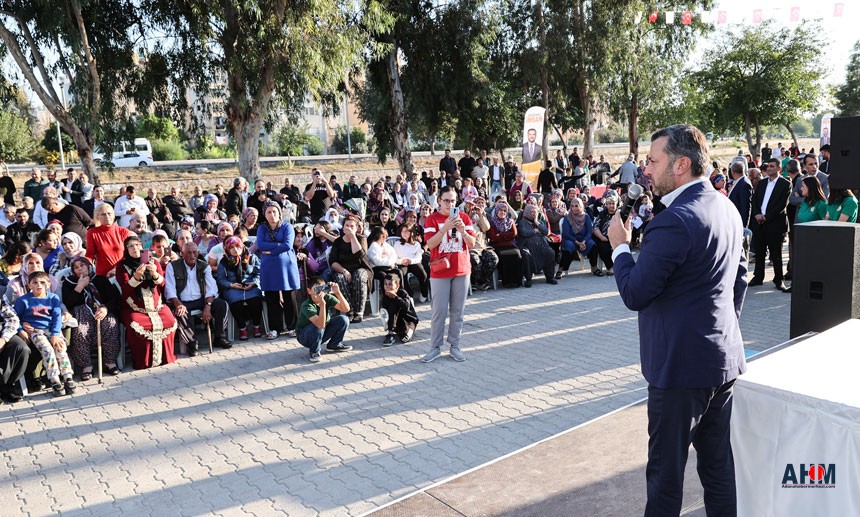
{"x": 688, "y": 286}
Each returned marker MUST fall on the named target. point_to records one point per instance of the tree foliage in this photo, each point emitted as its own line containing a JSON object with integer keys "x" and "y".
{"x": 757, "y": 76}
{"x": 88, "y": 45}
{"x": 16, "y": 138}
{"x": 848, "y": 93}
{"x": 293, "y": 140}
{"x": 357, "y": 139}
{"x": 156, "y": 128}
{"x": 273, "y": 53}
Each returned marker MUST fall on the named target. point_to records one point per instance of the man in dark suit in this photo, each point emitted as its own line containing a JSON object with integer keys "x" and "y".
{"x": 235, "y": 204}
{"x": 531, "y": 149}
{"x": 448, "y": 164}
{"x": 511, "y": 171}
{"x": 741, "y": 190}
{"x": 688, "y": 285}
{"x": 770, "y": 201}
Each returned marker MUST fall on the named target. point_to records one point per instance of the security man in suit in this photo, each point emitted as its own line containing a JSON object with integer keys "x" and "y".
{"x": 688, "y": 285}
{"x": 770, "y": 202}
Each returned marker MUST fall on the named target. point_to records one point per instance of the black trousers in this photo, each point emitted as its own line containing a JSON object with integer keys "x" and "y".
{"x": 604, "y": 250}
{"x": 676, "y": 418}
{"x": 13, "y": 361}
{"x": 282, "y": 309}
{"x": 185, "y": 328}
{"x": 768, "y": 240}
{"x": 245, "y": 310}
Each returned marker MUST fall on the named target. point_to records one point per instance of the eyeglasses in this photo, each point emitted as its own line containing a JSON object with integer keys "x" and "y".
{"x": 447, "y": 200}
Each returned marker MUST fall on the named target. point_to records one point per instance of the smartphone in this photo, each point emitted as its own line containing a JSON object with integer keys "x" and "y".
{"x": 144, "y": 257}
{"x": 455, "y": 212}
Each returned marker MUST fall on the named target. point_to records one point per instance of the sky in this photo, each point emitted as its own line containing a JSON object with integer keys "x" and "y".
{"x": 840, "y": 32}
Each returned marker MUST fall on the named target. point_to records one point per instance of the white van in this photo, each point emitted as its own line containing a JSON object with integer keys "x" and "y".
{"x": 138, "y": 154}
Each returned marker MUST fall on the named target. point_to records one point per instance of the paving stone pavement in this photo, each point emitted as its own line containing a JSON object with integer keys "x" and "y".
{"x": 257, "y": 430}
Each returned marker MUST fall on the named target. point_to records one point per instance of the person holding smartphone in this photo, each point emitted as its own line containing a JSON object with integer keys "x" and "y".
{"x": 449, "y": 236}
{"x": 316, "y": 325}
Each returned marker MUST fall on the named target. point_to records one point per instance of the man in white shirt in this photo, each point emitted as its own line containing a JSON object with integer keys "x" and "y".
{"x": 497, "y": 175}
{"x": 40, "y": 215}
{"x": 128, "y": 205}
{"x": 189, "y": 286}
{"x": 8, "y": 216}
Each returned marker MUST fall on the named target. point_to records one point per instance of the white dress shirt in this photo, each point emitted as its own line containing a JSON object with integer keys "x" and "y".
{"x": 124, "y": 204}
{"x": 192, "y": 288}
{"x": 771, "y": 183}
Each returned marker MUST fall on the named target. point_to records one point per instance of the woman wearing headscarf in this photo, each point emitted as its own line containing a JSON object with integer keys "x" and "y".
{"x": 71, "y": 247}
{"x": 375, "y": 203}
{"x": 208, "y": 211}
{"x": 250, "y": 220}
{"x": 279, "y": 270}
{"x": 92, "y": 300}
{"x": 576, "y": 235}
{"x": 332, "y": 217}
{"x": 516, "y": 201}
{"x": 213, "y": 257}
{"x": 601, "y": 236}
{"x": 537, "y": 254}
{"x": 150, "y": 326}
{"x": 502, "y": 236}
{"x": 238, "y": 279}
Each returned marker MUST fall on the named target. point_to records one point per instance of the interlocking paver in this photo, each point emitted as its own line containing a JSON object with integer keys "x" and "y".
{"x": 256, "y": 430}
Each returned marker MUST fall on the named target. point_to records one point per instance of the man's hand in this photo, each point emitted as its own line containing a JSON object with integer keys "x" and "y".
{"x": 619, "y": 232}
{"x": 180, "y": 309}
{"x": 27, "y": 328}
{"x": 207, "y": 314}
{"x": 760, "y": 218}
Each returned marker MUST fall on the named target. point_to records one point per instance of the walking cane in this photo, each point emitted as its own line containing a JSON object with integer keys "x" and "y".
{"x": 99, "y": 347}
{"x": 209, "y": 335}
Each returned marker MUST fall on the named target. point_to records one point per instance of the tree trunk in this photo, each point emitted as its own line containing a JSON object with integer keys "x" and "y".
{"x": 562, "y": 138}
{"x": 398, "y": 121}
{"x": 633, "y": 126}
{"x": 544, "y": 80}
{"x": 85, "y": 155}
{"x": 432, "y": 145}
{"x": 793, "y": 136}
{"x": 247, "y": 135}
{"x": 748, "y": 130}
{"x": 756, "y": 151}
{"x": 590, "y": 122}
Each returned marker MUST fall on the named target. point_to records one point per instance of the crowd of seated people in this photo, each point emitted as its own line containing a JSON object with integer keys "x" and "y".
{"x": 142, "y": 271}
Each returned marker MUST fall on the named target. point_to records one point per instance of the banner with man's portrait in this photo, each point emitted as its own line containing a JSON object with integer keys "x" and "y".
{"x": 532, "y": 143}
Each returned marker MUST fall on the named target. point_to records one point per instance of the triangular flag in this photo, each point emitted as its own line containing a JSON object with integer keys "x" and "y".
{"x": 638, "y": 17}
{"x": 721, "y": 17}
{"x": 837, "y": 10}
{"x": 795, "y": 14}
{"x": 652, "y": 18}
{"x": 756, "y": 16}
{"x": 670, "y": 17}
{"x": 687, "y": 18}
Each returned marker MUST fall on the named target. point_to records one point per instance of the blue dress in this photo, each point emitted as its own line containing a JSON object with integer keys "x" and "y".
{"x": 586, "y": 234}
{"x": 279, "y": 269}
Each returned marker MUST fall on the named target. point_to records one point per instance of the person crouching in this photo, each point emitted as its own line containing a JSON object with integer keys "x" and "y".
{"x": 315, "y": 324}
{"x": 398, "y": 313}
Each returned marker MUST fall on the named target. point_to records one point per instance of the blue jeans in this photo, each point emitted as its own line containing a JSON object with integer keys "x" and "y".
{"x": 313, "y": 337}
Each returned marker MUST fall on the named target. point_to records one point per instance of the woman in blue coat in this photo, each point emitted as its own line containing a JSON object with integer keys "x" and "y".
{"x": 238, "y": 279}
{"x": 576, "y": 235}
{"x": 279, "y": 272}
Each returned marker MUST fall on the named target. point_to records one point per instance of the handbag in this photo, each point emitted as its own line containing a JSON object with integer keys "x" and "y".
{"x": 443, "y": 263}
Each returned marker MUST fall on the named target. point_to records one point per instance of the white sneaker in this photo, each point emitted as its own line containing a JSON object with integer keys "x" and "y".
{"x": 272, "y": 334}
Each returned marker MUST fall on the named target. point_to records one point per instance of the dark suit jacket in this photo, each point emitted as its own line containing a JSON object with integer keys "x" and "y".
{"x": 689, "y": 285}
{"x": 741, "y": 196}
{"x": 90, "y": 206}
{"x": 235, "y": 202}
{"x": 531, "y": 157}
{"x": 776, "y": 219}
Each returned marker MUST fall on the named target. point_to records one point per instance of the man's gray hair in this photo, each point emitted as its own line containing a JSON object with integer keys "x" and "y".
{"x": 686, "y": 140}
{"x": 738, "y": 168}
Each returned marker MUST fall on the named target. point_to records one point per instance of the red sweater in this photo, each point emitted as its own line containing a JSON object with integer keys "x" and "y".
{"x": 104, "y": 246}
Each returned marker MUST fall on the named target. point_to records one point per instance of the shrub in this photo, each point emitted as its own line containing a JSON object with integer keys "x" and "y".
{"x": 165, "y": 150}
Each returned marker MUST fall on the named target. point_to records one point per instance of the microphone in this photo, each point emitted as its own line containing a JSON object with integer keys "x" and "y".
{"x": 633, "y": 194}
